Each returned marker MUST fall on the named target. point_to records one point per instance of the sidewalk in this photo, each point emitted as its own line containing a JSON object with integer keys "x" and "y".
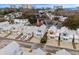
{"x": 69, "y": 45}
{"x": 35, "y": 40}
{"x": 52, "y": 42}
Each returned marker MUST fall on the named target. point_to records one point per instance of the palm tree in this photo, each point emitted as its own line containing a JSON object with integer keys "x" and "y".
{"x": 73, "y": 42}
{"x": 59, "y": 39}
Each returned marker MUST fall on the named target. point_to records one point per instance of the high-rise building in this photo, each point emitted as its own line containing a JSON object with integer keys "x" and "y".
{"x": 57, "y": 7}
{"x": 28, "y": 6}
{"x": 12, "y": 6}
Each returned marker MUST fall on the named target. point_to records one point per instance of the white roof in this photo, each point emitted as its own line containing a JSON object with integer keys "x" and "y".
{"x": 42, "y": 28}
{"x": 53, "y": 28}
{"x": 38, "y": 52}
{"x": 76, "y": 36}
{"x": 64, "y": 29}
{"x": 6, "y": 26}
{"x": 3, "y": 23}
{"x": 62, "y": 18}
{"x": 62, "y": 52}
{"x": 77, "y": 30}
{"x": 10, "y": 49}
{"x": 35, "y": 52}
{"x": 30, "y": 29}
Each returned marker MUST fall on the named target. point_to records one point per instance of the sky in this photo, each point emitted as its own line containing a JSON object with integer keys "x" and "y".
{"x": 45, "y": 5}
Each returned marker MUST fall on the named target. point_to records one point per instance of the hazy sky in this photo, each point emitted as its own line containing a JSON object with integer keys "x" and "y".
{"x": 45, "y": 5}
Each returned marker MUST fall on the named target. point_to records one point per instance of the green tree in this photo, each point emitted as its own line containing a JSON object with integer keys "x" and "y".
{"x": 29, "y": 14}
{"x": 32, "y": 19}
{"x": 5, "y": 11}
{"x": 44, "y": 39}
{"x": 72, "y": 22}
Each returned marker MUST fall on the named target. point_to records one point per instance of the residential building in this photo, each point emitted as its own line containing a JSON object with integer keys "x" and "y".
{"x": 66, "y": 34}
{"x": 53, "y": 33}
{"x": 40, "y": 31}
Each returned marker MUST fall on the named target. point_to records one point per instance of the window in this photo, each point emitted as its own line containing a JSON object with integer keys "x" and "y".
{"x": 65, "y": 39}
{"x": 52, "y": 37}
{"x": 64, "y": 34}
{"x": 38, "y": 34}
{"x": 39, "y": 30}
